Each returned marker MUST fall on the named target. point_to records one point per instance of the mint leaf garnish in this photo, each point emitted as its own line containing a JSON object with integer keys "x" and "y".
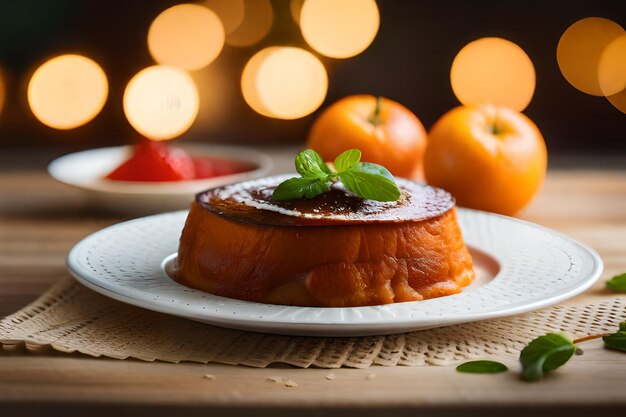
{"x": 617, "y": 283}
{"x": 310, "y": 164}
{"x": 370, "y": 181}
{"x": 544, "y": 354}
{"x": 295, "y": 188}
{"x": 482, "y": 367}
{"x": 374, "y": 169}
{"x": 347, "y": 159}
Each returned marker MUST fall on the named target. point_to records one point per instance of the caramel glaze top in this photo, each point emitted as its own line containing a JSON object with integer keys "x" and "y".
{"x": 251, "y": 202}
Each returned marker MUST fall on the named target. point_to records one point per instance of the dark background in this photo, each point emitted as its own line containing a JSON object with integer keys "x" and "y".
{"x": 409, "y": 61}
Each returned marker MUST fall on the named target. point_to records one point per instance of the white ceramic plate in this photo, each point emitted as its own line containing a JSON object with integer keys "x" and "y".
{"x": 521, "y": 267}
{"x": 86, "y": 170}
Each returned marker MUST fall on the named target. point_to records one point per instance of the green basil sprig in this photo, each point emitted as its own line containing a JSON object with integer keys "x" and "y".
{"x": 617, "y": 283}
{"x": 617, "y": 341}
{"x": 545, "y": 353}
{"x": 370, "y": 181}
{"x": 482, "y": 367}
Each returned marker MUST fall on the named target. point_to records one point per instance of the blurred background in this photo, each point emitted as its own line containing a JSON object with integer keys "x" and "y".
{"x": 408, "y": 61}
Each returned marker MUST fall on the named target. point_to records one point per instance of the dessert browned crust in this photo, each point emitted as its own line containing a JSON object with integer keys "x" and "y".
{"x": 333, "y": 250}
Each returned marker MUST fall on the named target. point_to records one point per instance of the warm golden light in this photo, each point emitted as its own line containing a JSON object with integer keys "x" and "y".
{"x": 161, "y": 102}
{"x": 295, "y": 7}
{"x": 217, "y": 94}
{"x": 284, "y": 82}
{"x": 612, "y": 73}
{"x": 579, "y": 51}
{"x": 619, "y": 101}
{"x": 230, "y": 12}
{"x": 493, "y": 71}
{"x": 249, "y": 82}
{"x": 67, "y": 91}
{"x": 339, "y": 29}
{"x": 188, "y": 36}
{"x": 257, "y": 21}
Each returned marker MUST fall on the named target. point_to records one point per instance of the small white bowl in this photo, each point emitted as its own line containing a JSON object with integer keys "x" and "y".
{"x": 86, "y": 170}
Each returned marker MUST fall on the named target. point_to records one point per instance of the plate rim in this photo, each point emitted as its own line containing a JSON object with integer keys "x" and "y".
{"x": 264, "y": 162}
{"x": 321, "y": 327}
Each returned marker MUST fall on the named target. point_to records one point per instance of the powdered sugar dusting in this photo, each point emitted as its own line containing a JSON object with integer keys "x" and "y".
{"x": 240, "y": 193}
{"x": 418, "y": 201}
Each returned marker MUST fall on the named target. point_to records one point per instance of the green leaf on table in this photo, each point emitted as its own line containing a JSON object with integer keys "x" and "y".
{"x": 617, "y": 341}
{"x": 347, "y": 160}
{"x": 295, "y": 188}
{"x": 482, "y": 367}
{"x": 545, "y": 353}
{"x": 370, "y": 181}
{"x": 617, "y": 283}
{"x": 310, "y": 164}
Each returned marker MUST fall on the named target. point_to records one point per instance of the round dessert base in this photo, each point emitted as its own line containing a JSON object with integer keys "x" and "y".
{"x": 336, "y": 249}
{"x": 485, "y": 266}
{"x": 538, "y": 267}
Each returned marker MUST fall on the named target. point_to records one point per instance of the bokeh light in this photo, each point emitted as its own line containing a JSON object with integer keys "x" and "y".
{"x": 257, "y": 21}
{"x": 339, "y": 29}
{"x": 295, "y": 7}
{"x": 249, "y": 82}
{"x": 218, "y": 95}
{"x": 619, "y": 101}
{"x": 580, "y": 48}
{"x": 161, "y": 102}
{"x": 188, "y": 36}
{"x": 493, "y": 71}
{"x": 67, "y": 91}
{"x": 612, "y": 73}
{"x": 284, "y": 82}
{"x": 230, "y": 12}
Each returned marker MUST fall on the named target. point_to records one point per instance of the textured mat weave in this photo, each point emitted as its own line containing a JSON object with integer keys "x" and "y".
{"x": 72, "y": 318}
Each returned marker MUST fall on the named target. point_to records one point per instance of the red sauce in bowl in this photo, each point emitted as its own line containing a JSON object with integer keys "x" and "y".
{"x": 157, "y": 162}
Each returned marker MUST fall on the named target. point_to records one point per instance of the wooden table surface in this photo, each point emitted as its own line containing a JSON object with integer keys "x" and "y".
{"x": 40, "y": 220}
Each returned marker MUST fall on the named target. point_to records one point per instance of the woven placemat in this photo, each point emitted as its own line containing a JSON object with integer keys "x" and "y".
{"x": 71, "y": 318}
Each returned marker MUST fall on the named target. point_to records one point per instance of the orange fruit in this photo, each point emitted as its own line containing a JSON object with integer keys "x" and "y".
{"x": 386, "y": 133}
{"x": 490, "y": 158}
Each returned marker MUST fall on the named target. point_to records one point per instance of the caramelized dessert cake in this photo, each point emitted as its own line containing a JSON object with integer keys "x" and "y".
{"x": 334, "y": 250}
